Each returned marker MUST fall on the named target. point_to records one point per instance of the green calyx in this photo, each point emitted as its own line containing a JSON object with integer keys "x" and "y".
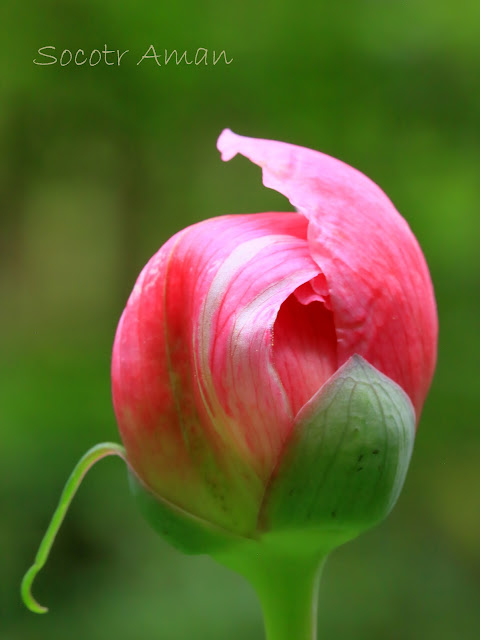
{"x": 183, "y": 530}
{"x": 346, "y": 461}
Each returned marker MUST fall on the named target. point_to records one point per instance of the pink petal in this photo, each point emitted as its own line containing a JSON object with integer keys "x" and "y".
{"x": 234, "y": 343}
{"x": 305, "y": 351}
{"x": 379, "y": 286}
{"x": 198, "y": 399}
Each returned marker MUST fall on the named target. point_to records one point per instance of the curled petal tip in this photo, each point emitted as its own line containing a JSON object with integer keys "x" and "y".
{"x": 227, "y": 144}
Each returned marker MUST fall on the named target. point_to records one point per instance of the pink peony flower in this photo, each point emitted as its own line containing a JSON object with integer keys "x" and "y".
{"x": 238, "y": 324}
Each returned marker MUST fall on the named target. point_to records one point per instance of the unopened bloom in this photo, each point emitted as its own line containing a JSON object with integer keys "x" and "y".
{"x": 242, "y": 328}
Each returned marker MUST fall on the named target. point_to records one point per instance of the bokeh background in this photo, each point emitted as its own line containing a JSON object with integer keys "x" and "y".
{"x": 100, "y": 165}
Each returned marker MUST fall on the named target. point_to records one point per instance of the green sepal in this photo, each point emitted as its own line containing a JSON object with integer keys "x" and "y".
{"x": 345, "y": 464}
{"x": 181, "y": 529}
{"x": 91, "y": 457}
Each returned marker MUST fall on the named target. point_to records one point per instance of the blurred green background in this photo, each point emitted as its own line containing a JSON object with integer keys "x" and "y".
{"x": 100, "y": 165}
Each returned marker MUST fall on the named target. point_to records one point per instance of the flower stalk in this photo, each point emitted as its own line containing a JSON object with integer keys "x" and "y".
{"x": 288, "y": 594}
{"x": 286, "y": 582}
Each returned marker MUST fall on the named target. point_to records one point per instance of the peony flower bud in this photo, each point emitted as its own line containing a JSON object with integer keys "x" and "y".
{"x": 268, "y": 374}
{"x": 269, "y": 369}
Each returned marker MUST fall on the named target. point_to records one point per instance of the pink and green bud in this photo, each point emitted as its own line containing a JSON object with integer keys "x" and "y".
{"x": 269, "y": 369}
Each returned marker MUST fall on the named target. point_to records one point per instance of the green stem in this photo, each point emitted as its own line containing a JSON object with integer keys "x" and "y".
{"x": 287, "y": 586}
{"x": 288, "y": 594}
{"x": 92, "y": 456}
